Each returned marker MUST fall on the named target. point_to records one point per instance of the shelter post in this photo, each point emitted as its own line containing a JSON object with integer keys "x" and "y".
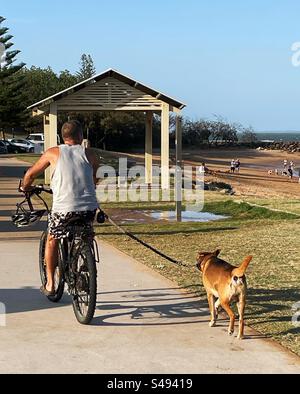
{"x": 165, "y": 147}
{"x": 178, "y": 177}
{"x": 50, "y": 130}
{"x": 149, "y": 146}
{"x": 47, "y": 145}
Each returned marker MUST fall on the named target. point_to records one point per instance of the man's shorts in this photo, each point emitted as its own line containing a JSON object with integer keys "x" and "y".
{"x": 57, "y": 222}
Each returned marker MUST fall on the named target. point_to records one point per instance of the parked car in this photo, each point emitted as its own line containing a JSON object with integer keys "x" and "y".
{"x": 25, "y": 145}
{"x": 3, "y": 148}
{"x": 12, "y": 148}
{"x": 36, "y": 138}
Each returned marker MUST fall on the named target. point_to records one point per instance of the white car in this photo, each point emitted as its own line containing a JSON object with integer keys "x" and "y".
{"x": 25, "y": 145}
{"x": 36, "y": 138}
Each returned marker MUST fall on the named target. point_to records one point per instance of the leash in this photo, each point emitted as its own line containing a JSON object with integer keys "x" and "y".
{"x": 156, "y": 251}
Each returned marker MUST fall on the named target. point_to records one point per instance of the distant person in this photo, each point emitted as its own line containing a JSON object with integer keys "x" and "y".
{"x": 202, "y": 169}
{"x": 285, "y": 168}
{"x": 291, "y": 171}
{"x": 238, "y": 165}
{"x": 232, "y": 166}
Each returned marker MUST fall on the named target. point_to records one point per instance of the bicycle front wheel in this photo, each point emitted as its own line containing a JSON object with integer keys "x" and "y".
{"x": 85, "y": 294}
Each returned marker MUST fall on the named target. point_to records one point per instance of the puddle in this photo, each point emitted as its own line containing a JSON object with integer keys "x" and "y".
{"x": 187, "y": 216}
{"x": 136, "y": 216}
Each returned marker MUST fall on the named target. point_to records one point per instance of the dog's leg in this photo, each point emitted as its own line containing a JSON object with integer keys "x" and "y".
{"x": 211, "y": 302}
{"x": 241, "y": 308}
{"x": 217, "y": 307}
{"x": 228, "y": 310}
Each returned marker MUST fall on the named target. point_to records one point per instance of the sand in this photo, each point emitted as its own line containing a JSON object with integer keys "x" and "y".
{"x": 253, "y": 179}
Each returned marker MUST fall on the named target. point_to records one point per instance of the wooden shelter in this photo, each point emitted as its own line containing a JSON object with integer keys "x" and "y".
{"x": 113, "y": 91}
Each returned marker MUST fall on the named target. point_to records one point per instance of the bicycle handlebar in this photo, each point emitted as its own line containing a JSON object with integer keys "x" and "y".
{"x": 36, "y": 189}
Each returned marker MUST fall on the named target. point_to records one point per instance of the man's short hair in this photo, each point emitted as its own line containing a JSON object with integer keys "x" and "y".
{"x": 72, "y": 130}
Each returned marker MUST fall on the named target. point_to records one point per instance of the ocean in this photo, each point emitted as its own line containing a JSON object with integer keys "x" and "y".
{"x": 278, "y": 136}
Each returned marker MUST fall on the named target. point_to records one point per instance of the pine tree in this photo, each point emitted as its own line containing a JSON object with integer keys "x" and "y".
{"x": 11, "y": 83}
{"x": 87, "y": 68}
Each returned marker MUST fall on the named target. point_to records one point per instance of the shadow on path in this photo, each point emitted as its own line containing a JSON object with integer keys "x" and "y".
{"x": 165, "y": 307}
{"x": 13, "y": 171}
{"x": 27, "y": 299}
{"x": 9, "y": 227}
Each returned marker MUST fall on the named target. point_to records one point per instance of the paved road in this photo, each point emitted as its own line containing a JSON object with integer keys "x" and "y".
{"x": 143, "y": 323}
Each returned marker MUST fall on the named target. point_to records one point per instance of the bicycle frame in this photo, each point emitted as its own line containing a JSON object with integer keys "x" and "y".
{"x": 71, "y": 248}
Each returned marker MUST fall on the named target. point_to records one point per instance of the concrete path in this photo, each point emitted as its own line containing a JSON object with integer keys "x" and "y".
{"x": 143, "y": 322}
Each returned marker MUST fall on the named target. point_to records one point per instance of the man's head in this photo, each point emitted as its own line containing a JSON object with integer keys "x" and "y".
{"x": 72, "y": 132}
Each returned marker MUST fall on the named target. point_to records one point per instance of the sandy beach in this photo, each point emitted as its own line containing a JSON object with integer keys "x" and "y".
{"x": 253, "y": 179}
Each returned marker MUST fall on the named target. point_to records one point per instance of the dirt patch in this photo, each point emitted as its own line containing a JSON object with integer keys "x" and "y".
{"x": 128, "y": 216}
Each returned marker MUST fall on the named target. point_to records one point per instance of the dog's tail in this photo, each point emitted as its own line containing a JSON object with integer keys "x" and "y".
{"x": 240, "y": 271}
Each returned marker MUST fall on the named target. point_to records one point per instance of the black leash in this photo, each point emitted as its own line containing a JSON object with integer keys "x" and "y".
{"x": 156, "y": 251}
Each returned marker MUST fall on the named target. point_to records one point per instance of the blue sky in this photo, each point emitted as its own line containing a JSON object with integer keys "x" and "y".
{"x": 230, "y": 58}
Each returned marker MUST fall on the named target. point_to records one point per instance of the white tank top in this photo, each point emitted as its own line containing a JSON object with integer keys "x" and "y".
{"x": 72, "y": 182}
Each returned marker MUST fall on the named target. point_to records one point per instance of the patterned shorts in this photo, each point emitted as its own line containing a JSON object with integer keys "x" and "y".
{"x": 57, "y": 222}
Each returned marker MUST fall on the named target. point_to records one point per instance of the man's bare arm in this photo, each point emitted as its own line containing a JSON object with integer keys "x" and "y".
{"x": 95, "y": 162}
{"x": 37, "y": 169}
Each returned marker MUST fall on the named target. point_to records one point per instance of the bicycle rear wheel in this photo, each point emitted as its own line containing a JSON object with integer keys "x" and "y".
{"x": 59, "y": 281}
{"x": 85, "y": 292}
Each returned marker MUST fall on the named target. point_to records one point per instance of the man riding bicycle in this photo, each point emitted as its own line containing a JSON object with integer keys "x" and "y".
{"x": 73, "y": 184}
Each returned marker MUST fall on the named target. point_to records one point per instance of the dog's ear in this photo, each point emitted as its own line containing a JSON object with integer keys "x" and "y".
{"x": 201, "y": 256}
{"x": 217, "y": 252}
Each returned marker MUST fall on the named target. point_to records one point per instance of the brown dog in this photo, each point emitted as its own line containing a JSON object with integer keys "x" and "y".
{"x": 224, "y": 284}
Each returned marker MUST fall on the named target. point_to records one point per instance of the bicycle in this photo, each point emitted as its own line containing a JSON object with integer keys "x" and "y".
{"x": 77, "y": 258}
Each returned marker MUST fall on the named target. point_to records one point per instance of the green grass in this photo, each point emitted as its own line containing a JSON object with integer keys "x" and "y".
{"x": 280, "y": 204}
{"x": 28, "y": 158}
{"x": 226, "y": 207}
{"x": 245, "y": 211}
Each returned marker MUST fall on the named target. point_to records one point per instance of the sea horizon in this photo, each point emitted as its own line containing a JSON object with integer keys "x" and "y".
{"x": 277, "y": 136}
